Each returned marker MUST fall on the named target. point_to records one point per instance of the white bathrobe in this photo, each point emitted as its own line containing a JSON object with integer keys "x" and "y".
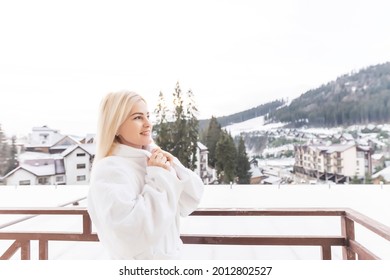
{"x": 136, "y": 208}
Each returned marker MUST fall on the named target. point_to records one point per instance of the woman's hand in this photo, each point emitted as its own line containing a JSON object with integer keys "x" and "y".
{"x": 160, "y": 158}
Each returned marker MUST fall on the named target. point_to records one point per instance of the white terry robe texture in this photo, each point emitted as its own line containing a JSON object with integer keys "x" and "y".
{"x": 136, "y": 208}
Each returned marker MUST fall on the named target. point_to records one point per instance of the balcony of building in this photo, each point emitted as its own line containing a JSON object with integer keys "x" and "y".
{"x": 288, "y": 232}
{"x": 352, "y": 248}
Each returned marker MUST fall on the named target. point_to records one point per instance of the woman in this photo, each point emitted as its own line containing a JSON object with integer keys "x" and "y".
{"x": 138, "y": 191}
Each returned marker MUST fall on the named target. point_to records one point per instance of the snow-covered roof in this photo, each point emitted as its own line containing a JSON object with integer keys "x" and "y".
{"x": 377, "y": 142}
{"x": 41, "y": 170}
{"x": 70, "y": 149}
{"x": 348, "y": 136}
{"x": 385, "y": 173}
{"x": 272, "y": 180}
{"x": 201, "y": 146}
{"x": 377, "y": 156}
{"x": 339, "y": 147}
{"x": 255, "y": 171}
{"x": 89, "y": 148}
{"x": 285, "y": 162}
{"x": 44, "y": 128}
{"x": 34, "y": 155}
{"x": 72, "y": 139}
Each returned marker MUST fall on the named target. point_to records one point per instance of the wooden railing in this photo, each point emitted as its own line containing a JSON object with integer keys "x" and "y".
{"x": 351, "y": 248}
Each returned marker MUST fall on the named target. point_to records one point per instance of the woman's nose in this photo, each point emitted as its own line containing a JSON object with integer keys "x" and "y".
{"x": 147, "y": 122}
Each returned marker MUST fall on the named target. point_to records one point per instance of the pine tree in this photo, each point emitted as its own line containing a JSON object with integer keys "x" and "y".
{"x": 225, "y": 158}
{"x": 242, "y": 163}
{"x": 178, "y": 135}
{"x": 4, "y": 153}
{"x": 179, "y": 129}
{"x": 12, "y": 162}
{"x": 213, "y": 135}
{"x": 162, "y": 126}
{"x": 193, "y": 128}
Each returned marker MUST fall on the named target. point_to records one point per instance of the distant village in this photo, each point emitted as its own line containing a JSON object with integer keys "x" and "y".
{"x": 47, "y": 157}
{"x": 326, "y": 156}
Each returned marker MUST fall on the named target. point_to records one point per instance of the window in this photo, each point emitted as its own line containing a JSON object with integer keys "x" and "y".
{"x": 24, "y": 182}
{"x": 60, "y": 179}
{"x": 81, "y": 178}
{"x": 81, "y": 166}
{"x": 81, "y": 155}
{"x": 43, "y": 181}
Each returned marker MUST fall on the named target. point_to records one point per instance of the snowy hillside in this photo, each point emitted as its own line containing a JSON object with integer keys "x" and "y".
{"x": 255, "y": 124}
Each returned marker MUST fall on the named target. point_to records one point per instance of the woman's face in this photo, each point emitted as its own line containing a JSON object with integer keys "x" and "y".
{"x": 136, "y": 130}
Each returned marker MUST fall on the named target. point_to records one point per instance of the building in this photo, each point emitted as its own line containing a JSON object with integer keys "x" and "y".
{"x": 71, "y": 167}
{"x": 51, "y": 158}
{"x": 338, "y": 163}
{"x": 205, "y": 172}
{"x": 77, "y": 160}
{"x": 34, "y": 175}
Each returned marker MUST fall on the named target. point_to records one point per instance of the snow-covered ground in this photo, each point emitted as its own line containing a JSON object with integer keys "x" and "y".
{"x": 255, "y": 124}
{"x": 371, "y": 200}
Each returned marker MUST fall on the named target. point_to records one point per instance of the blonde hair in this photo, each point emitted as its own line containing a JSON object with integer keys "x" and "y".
{"x": 114, "y": 110}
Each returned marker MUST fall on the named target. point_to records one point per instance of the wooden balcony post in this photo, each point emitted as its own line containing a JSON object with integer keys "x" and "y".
{"x": 25, "y": 250}
{"x": 43, "y": 249}
{"x": 348, "y": 232}
{"x": 87, "y": 224}
{"x": 326, "y": 252}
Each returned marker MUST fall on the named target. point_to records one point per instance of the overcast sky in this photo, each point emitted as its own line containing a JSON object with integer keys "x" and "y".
{"x": 58, "y": 58}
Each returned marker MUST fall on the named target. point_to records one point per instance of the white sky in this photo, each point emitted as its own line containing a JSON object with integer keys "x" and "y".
{"x": 58, "y": 58}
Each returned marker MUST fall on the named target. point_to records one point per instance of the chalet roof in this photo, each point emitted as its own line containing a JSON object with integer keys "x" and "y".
{"x": 70, "y": 149}
{"x": 255, "y": 171}
{"x": 88, "y": 139}
{"x": 34, "y": 155}
{"x": 44, "y": 128}
{"x": 348, "y": 136}
{"x": 202, "y": 147}
{"x": 272, "y": 180}
{"x": 89, "y": 148}
{"x": 339, "y": 148}
{"x": 377, "y": 156}
{"x": 385, "y": 173}
{"x": 42, "y": 170}
{"x": 72, "y": 139}
{"x": 364, "y": 148}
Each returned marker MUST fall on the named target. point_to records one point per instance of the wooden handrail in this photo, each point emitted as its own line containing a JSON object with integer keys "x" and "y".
{"x": 72, "y": 202}
{"x": 367, "y": 222}
{"x": 350, "y": 246}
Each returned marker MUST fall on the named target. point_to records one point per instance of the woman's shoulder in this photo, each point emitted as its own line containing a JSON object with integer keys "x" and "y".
{"x": 108, "y": 163}
{"x": 111, "y": 169}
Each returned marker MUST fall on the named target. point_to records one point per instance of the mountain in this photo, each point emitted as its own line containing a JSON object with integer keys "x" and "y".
{"x": 243, "y": 116}
{"x": 355, "y": 98}
{"x": 361, "y": 97}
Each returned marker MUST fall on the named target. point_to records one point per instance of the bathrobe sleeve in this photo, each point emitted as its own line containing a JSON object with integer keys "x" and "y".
{"x": 192, "y": 188}
{"x": 134, "y": 214}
